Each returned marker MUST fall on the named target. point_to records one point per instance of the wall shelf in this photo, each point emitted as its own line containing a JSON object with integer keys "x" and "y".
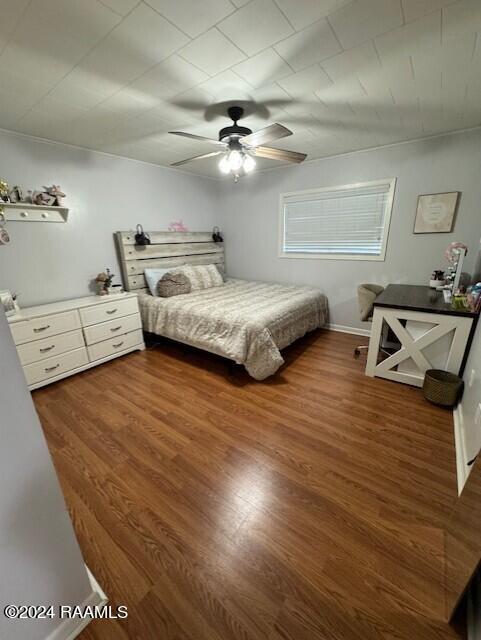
{"x": 25, "y": 212}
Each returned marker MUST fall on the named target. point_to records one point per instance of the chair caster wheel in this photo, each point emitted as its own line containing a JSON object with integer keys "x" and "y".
{"x": 357, "y": 353}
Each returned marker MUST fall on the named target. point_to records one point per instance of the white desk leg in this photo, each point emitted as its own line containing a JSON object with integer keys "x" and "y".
{"x": 374, "y": 341}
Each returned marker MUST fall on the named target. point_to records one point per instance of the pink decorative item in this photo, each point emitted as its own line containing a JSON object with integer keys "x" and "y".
{"x": 451, "y": 254}
{"x": 177, "y": 226}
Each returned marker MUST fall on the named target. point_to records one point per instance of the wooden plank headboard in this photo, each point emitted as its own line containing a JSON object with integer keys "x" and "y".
{"x": 167, "y": 249}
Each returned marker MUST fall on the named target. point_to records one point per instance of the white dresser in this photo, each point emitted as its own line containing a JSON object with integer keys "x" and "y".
{"x": 62, "y": 338}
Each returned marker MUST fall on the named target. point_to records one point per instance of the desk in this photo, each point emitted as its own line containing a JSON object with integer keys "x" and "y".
{"x": 432, "y": 335}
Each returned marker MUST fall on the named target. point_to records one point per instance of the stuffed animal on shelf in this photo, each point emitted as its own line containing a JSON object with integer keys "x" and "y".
{"x": 56, "y": 193}
{"x": 178, "y": 226}
{"x": 42, "y": 198}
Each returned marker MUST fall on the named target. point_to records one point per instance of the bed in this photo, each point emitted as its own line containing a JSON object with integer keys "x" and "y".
{"x": 248, "y": 322}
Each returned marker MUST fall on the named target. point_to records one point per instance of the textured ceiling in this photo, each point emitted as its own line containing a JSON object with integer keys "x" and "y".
{"x": 116, "y": 75}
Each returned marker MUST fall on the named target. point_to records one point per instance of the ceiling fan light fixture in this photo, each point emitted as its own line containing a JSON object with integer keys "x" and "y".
{"x": 239, "y": 145}
{"x": 249, "y": 163}
{"x": 224, "y": 164}
{"x": 235, "y": 160}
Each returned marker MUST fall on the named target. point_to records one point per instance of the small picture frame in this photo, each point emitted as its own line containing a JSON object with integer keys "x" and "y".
{"x": 436, "y": 212}
{"x": 8, "y": 302}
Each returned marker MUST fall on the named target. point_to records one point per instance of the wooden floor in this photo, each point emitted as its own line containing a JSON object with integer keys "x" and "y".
{"x": 309, "y": 506}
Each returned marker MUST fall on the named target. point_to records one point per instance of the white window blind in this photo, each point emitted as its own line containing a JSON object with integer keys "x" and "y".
{"x": 340, "y": 222}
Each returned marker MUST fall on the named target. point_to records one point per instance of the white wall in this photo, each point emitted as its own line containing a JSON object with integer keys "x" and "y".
{"x": 450, "y": 163}
{"x": 46, "y": 262}
{"x": 40, "y": 559}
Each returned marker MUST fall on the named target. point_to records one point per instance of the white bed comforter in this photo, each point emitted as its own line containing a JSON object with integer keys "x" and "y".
{"x": 248, "y": 322}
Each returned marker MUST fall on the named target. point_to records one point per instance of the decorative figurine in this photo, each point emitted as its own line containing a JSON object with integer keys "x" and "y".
{"x": 55, "y": 192}
{"x": 104, "y": 282}
{"x": 42, "y": 198}
{"x": 4, "y": 189}
{"x": 16, "y": 194}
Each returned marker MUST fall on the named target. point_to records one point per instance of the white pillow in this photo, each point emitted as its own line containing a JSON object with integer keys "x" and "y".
{"x": 153, "y": 276}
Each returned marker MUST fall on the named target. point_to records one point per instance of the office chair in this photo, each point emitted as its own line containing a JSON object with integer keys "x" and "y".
{"x": 366, "y": 295}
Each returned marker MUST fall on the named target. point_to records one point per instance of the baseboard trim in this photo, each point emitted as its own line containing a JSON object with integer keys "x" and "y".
{"x": 461, "y": 460}
{"x": 70, "y": 629}
{"x": 474, "y": 610}
{"x": 345, "y": 329}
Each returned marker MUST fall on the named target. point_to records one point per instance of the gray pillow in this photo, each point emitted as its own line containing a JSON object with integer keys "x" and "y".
{"x": 173, "y": 284}
{"x": 202, "y": 276}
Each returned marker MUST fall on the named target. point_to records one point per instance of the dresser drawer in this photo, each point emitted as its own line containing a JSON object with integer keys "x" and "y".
{"x": 49, "y": 347}
{"x": 52, "y": 367}
{"x": 109, "y": 347}
{"x": 29, "y": 330}
{"x": 108, "y": 311}
{"x": 111, "y": 329}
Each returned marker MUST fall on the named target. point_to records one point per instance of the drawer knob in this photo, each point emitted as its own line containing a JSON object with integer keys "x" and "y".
{"x": 45, "y": 349}
{"x": 116, "y": 328}
{"x": 111, "y": 311}
{"x": 119, "y": 344}
{"x": 49, "y": 369}
{"x": 39, "y": 329}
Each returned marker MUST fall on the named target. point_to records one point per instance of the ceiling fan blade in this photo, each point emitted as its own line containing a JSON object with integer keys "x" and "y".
{"x": 268, "y": 134}
{"x": 204, "y": 155}
{"x": 201, "y": 138}
{"x": 279, "y": 154}
{"x": 189, "y": 105}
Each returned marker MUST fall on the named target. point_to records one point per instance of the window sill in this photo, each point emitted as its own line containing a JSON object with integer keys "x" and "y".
{"x": 331, "y": 256}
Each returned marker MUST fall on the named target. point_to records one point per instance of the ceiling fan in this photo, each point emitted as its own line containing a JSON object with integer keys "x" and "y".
{"x": 238, "y": 145}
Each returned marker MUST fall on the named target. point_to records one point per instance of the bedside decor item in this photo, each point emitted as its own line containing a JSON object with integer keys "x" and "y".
{"x": 4, "y": 190}
{"x": 4, "y": 235}
{"x": 8, "y": 301}
{"x": 141, "y": 238}
{"x": 116, "y": 289}
{"x": 436, "y": 212}
{"x": 178, "y": 226}
{"x": 216, "y": 235}
{"x": 104, "y": 282}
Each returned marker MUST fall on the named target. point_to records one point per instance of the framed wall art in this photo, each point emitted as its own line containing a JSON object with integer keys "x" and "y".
{"x": 436, "y": 212}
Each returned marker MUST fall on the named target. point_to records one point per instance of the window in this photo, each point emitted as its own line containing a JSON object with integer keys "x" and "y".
{"x": 345, "y": 223}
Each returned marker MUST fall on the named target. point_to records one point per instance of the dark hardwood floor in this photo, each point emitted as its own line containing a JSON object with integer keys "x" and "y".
{"x": 309, "y": 506}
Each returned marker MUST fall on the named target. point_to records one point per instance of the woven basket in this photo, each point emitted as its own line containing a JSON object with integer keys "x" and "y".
{"x": 442, "y": 388}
